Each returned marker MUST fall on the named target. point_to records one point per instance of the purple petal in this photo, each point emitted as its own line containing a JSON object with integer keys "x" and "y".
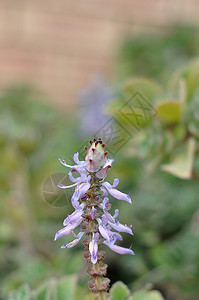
{"x": 102, "y": 173}
{"x": 109, "y": 162}
{"x": 109, "y": 186}
{"x": 63, "y": 162}
{"x": 113, "y": 237}
{"x": 120, "y": 227}
{"x": 116, "y": 236}
{"x": 83, "y": 188}
{"x": 79, "y": 168}
{"x": 74, "y": 242}
{"x": 75, "y": 215}
{"x": 96, "y": 236}
{"x": 118, "y": 249}
{"x": 93, "y": 249}
{"x": 104, "y": 204}
{"x": 67, "y": 230}
{"x": 104, "y": 232}
{"x": 111, "y": 218}
{"x": 108, "y": 234}
{"x": 80, "y": 191}
{"x": 61, "y": 186}
{"x": 75, "y": 203}
{"x": 92, "y": 166}
{"x": 115, "y": 182}
{"x": 116, "y": 213}
{"x": 93, "y": 213}
{"x": 76, "y": 159}
{"x": 104, "y": 220}
{"x": 73, "y": 179}
{"x": 104, "y": 191}
{"x": 75, "y": 196}
{"x": 119, "y": 195}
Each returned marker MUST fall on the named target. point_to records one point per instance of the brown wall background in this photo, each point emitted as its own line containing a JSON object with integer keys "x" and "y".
{"x": 58, "y": 45}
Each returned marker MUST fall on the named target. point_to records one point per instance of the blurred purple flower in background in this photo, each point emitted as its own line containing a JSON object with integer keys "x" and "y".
{"x": 91, "y": 102}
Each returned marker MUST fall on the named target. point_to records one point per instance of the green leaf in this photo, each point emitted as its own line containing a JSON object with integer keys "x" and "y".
{"x": 169, "y": 110}
{"x": 135, "y": 104}
{"x": 119, "y": 291}
{"x": 21, "y": 294}
{"x": 148, "y": 88}
{"x": 190, "y": 73}
{"x": 144, "y": 295}
{"x": 64, "y": 289}
{"x": 45, "y": 291}
{"x": 182, "y": 163}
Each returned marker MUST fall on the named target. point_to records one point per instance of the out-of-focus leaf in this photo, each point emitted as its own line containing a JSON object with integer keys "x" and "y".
{"x": 81, "y": 292}
{"x": 45, "y": 291}
{"x": 148, "y": 88}
{"x": 119, "y": 291}
{"x": 136, "y": 108}
{"x": 182, "y": 91}
{"x": 144, "y": 295}
{"x": 190, "y": 73}
{"x": 140, "y": 94}
{"x": 21, "y": 294}
{"x": 182, "y": 164}
{"x": 90, "y": 297}
{"x": 66, "y": 288}
{"x": 194, "y": 128}
{"x": 169, "y": 110}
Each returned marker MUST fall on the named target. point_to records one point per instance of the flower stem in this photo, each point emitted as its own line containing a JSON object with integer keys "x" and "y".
{"x": 99, "y": 284}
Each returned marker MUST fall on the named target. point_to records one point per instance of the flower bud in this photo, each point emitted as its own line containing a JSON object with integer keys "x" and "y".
{"x": 95, "y": 158}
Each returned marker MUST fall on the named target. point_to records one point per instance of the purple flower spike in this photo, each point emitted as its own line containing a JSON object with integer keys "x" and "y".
{"x": 118, "y": 249}
{"x": 92, "y": 214}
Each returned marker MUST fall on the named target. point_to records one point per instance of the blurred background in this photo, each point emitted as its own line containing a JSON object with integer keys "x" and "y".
{"x": 125, "y": 71}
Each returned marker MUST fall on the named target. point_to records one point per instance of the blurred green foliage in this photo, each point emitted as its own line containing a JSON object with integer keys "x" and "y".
{"x": 157, "y": 55}
{"x": 165, "y": 122}
{"x": 165, "y": 137}
{"x": 31, "y": 135}
{"x": 66, "y": 288}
